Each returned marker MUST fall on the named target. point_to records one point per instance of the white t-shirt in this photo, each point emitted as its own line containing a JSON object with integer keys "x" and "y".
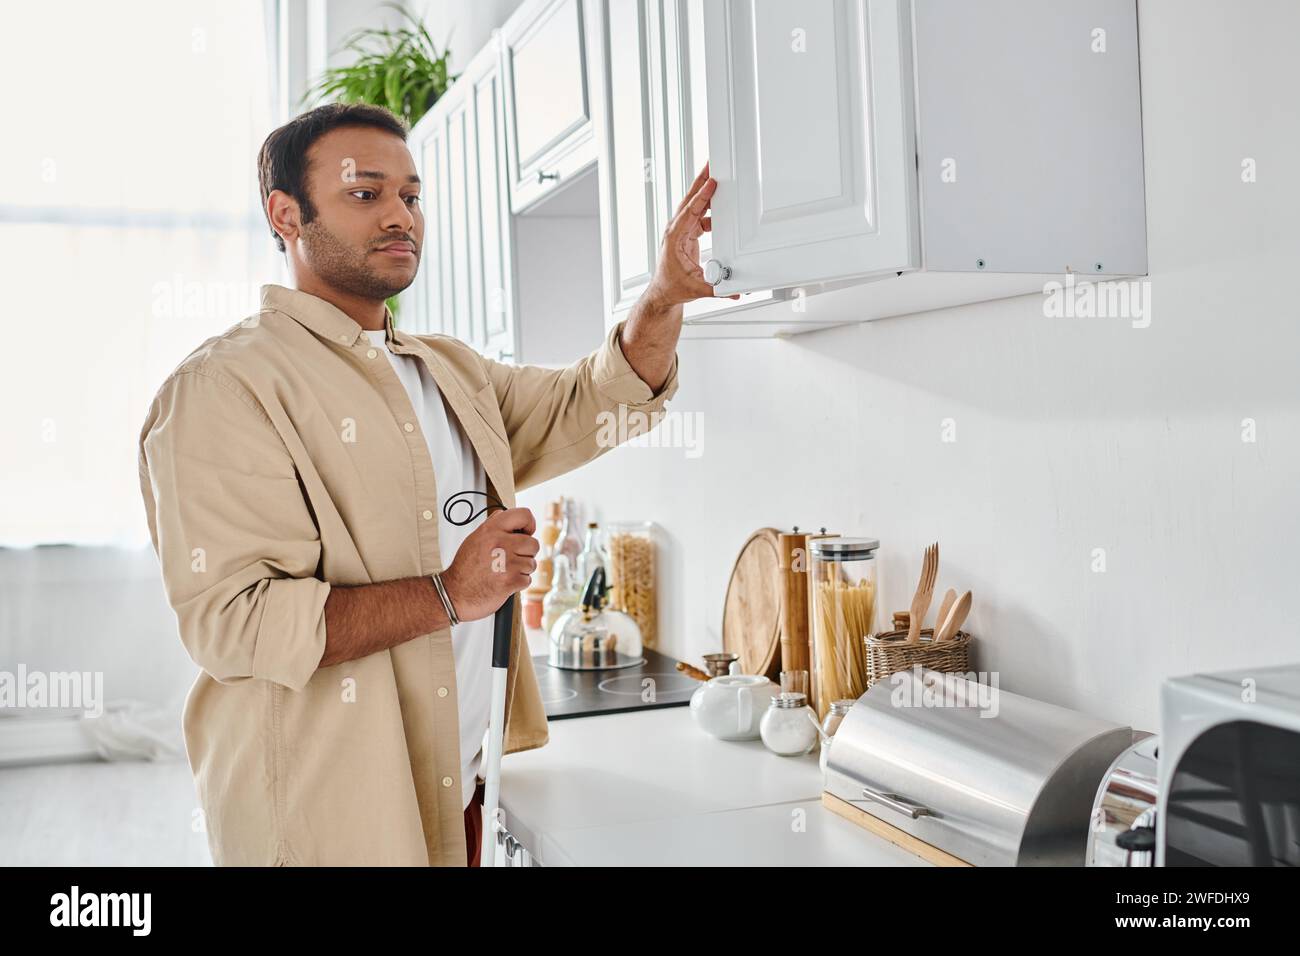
{"x": 456, "y": 468}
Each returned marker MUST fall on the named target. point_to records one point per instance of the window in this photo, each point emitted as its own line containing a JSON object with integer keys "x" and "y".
{"x": 130, "y": 231}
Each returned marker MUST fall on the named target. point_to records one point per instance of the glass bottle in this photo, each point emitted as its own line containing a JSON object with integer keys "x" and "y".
{"x": 594, "y": 554}
{"x": 549, "y": 536}
{"x": 562, "y": 596}
{"x": 570, "y": 544}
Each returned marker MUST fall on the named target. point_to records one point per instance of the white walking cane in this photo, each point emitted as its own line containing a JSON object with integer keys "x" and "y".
{"x": 502, "y": 628}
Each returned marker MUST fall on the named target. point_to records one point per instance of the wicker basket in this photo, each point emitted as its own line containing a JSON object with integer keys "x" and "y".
{"x": 888, "y": 653}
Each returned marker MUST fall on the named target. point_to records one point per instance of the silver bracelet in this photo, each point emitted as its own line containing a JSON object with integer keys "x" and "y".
{"x": 446, "y": 601}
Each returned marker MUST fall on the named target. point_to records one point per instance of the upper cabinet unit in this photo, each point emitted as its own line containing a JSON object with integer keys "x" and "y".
{"x": 550, "y": 136}
{"x": 943, "y": 151}
{"x": 874, "y": 157}
{"x": 518, "y": 286}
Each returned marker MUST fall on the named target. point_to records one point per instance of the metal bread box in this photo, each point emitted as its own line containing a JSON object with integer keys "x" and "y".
{"x": 981, "y": 776}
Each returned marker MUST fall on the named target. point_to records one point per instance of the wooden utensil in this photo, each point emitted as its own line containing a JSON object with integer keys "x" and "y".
{"x": 694, "y": 672}
{"x": 949, "y": 598}
{"x": 752, "y": 609}
{"x": 955, "y": 618}
{"x": 924, "y": 592}
{"x": 793, "y": 560}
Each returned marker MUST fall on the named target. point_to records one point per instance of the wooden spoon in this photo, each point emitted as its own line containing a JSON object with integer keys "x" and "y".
{"x": 955, "y": 619}
{"x": 945, "y": 606}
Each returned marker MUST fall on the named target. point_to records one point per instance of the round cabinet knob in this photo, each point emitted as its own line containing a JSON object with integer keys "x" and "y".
{"x": 715, "y": 272}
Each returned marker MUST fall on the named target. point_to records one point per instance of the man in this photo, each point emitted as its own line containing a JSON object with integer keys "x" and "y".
{"x": 295, "y": 470}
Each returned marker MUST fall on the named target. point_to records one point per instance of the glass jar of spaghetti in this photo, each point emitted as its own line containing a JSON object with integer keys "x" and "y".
{"x": 633, "y": 547}
{"x": 842, "y": 579}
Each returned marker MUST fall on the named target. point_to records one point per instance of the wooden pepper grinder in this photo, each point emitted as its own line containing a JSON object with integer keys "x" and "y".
{"x": 796, "y": 623}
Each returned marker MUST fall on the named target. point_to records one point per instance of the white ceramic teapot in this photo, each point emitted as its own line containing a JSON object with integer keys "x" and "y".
{"x": 731, "y": 707}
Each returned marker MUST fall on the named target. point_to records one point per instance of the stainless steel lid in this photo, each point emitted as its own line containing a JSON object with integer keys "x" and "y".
{"x": 789, "y": 700}
{"x": 845, "y": 549}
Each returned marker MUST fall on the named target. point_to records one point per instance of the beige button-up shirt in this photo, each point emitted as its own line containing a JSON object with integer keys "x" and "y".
{"x": 282, "y": 457}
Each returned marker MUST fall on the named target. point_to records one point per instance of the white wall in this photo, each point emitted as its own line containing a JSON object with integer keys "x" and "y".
{"x": 1072, "y": 434}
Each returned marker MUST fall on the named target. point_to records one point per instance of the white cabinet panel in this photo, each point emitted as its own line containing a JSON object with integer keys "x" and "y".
{"x": 547, "y": 97}
{"x": 1039, "y": 176}
{"x": 432, "y": 305}
{"x": 494, "y": 208}
{"x": 458, "y": 223}
{"x": 685, "y": 113}
{"x": 811, "y": 140}
{"x": 652, "y": 125}
{"x": 467, "y": 289}
{"x": 629, "y": 171}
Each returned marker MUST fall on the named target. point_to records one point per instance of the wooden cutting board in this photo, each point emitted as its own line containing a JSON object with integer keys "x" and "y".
{"x": 753, "y": 609}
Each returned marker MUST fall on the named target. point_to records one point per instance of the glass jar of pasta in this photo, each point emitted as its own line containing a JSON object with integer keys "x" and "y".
{"x": 842, "y": 577}
{"x": 632, "y": 548}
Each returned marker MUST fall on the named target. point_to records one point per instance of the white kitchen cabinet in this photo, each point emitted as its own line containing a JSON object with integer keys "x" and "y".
{"x": 651, "y": 123}
{"x": 874, "y": 158}
{"x": 517, "y": 288}
{"x": 883, "y": 157}
{"x": 811, "y": 127}
{"x": 550, "y": 135}
{"x": 467, "y": 287}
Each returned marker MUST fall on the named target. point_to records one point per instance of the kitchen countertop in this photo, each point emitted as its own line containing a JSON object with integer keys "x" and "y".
{"x": 650, "y": 788}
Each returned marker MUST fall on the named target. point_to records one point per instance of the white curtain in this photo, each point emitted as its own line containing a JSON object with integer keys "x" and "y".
{"x": 130, "y": 231}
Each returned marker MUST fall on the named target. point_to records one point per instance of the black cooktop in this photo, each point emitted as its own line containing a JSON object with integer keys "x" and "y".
{"x": 655, "y": 682}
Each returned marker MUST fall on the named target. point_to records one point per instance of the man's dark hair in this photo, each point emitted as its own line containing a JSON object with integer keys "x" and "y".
{"x": 282, "y": 160}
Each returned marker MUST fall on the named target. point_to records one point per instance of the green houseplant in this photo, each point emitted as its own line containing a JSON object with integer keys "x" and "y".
{"x": 401, "y": 69}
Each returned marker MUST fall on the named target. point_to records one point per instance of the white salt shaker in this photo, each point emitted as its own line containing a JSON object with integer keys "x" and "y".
{"x": 789, "y": 727}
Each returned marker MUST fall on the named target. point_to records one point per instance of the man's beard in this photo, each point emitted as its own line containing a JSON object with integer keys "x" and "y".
{"x": 345, "y": 268}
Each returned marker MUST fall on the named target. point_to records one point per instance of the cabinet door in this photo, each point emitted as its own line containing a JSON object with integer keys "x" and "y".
{"x": 630, "y": 171}
{"x": 458, "y": 211}
{"x": 652, "y": 116}
{"x": 496, "y": 236}
{"x": 811, "y": 140}
{"x": 432, "y": 302}
{"x": 467, "y": 287}
{"x": 549, "y": 129}
{"x": 685, "y": 129}
{"x": 683, "y": 133}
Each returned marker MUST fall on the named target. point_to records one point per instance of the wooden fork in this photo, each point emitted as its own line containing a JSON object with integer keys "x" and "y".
{"x": 924, "y": 593}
